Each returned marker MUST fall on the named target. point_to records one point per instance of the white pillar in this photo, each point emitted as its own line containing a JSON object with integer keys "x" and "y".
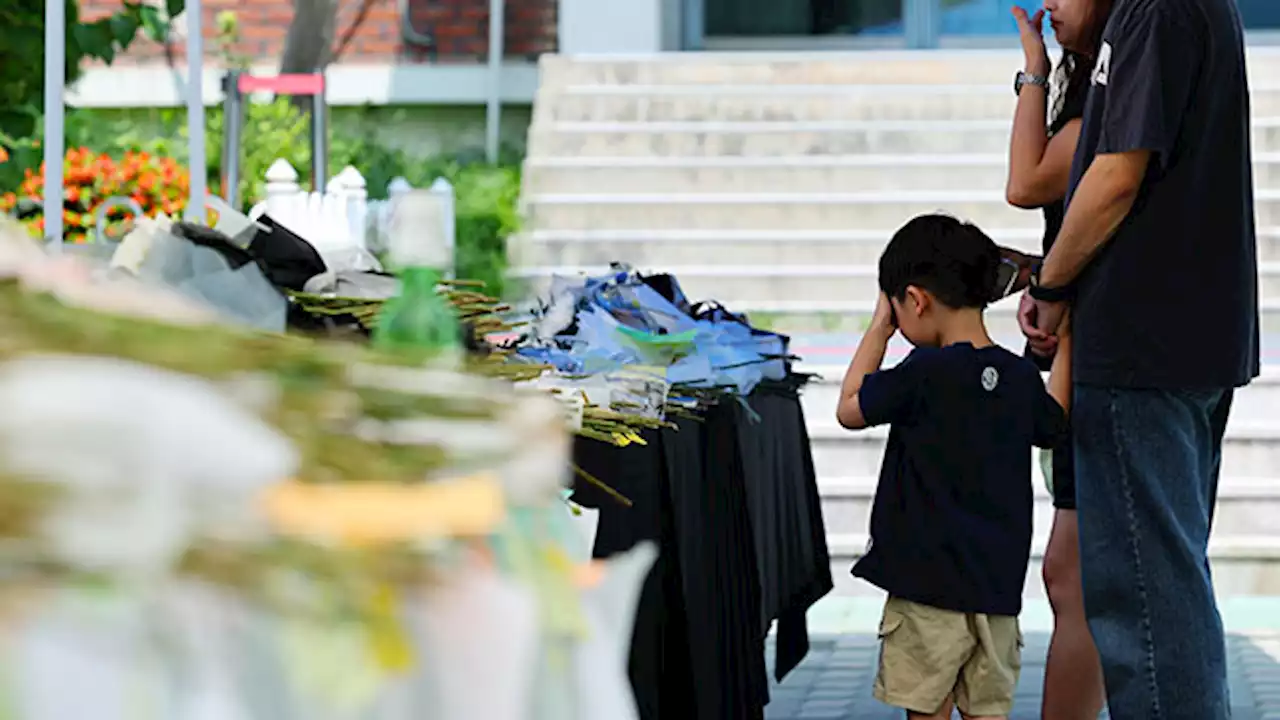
{"x": 196, "y": 163}
{"x": 493, "y": 109}
{"x": 282, "y": 188}
{"x": 55, "y": 74}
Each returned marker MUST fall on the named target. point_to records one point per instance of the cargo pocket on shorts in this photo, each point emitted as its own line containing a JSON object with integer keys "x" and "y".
{"x": 890, "y": 621}
{"x": 890, "y": 685}
{"x": 1015, "y": 661}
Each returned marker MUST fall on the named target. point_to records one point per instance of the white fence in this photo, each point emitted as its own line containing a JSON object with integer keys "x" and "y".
{"x": 343, "y": 216}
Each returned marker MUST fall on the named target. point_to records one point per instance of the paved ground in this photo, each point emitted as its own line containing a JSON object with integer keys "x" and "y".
{"x": 835, "y": 680}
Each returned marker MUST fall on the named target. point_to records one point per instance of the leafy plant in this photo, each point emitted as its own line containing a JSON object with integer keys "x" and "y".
{"x": 22, "y": 51}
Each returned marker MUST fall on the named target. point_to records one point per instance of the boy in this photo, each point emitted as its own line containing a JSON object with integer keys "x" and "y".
{"x": 951, "y": 524}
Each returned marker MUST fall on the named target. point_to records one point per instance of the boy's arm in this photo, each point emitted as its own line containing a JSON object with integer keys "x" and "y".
{"x": 1022, "y": 278}
{"x": 866, "y": 360}
{"x": 1051, "y": 422}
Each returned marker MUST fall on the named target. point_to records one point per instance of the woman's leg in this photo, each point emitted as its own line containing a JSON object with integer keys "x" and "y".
{"x": 1073, "y": 688}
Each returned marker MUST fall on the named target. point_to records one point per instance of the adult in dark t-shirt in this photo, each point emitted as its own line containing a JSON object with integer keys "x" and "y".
{"x": 1157, "y": 258}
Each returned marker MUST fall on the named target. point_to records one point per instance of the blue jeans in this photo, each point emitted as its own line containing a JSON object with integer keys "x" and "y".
{"x": 1147, "y": 466}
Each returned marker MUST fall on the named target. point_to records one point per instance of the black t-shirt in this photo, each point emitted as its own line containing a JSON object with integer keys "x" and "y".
{"x": 1172, "y": 300}
{"x": 951, "y": 523}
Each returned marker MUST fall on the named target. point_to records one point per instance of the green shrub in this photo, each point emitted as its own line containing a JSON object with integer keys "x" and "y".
{"x": 487, "y": 195}
{"x": 22, "y": 51}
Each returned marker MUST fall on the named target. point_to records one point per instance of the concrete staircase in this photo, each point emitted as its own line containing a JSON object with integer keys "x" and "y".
{"x": 771, "y": 181}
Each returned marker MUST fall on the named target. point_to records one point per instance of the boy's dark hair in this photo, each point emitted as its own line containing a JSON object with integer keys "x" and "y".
{"x": 954, "y": 260}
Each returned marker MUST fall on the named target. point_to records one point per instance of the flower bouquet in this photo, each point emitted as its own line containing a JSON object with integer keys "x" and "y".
{"x": 199, "y": 522}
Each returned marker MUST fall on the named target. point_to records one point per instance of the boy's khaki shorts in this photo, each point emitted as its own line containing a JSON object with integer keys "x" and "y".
{"x": 928, "y": 655}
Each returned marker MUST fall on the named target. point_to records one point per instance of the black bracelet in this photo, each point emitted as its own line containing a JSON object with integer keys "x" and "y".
{"x": 1050, "y": 295}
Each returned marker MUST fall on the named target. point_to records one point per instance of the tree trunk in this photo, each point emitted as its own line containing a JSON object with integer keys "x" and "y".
{"x": 309, "y": 45}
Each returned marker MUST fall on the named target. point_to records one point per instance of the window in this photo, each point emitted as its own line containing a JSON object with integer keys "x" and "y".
{"x": 1260, "y": 14}
{"x": 803, "y": 17}
{"x": 980, "y": 17}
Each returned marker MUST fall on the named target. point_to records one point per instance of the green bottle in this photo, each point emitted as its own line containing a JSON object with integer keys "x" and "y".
{"x": 419, "y": 320}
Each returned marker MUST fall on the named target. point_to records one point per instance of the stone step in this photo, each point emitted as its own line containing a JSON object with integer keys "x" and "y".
{"x": 785, "y": 282}
{"x": 885, "y": 211}
{"x": 802, "y": 173}
{"x": 1253, "y": 405}
{"x": 676, "y": 248}
{"x": 791, "y": 68}
{"x": 692, "y": 103}
{"x": 1247, "y": 507}
{"x": 874, "y": 67}
{"x": 816, "y": 136}
{"x": 1248, "y": 450}
{"x": 795, "y": 317}
{"x": 1242, "y": 566}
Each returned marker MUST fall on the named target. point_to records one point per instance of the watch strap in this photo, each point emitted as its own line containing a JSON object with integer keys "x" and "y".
{"x": 1047, "y": 294}
{"x": 1024, "y": 78}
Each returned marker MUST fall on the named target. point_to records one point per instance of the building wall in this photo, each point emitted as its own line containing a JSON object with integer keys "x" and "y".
{"x": 460, "y": 29}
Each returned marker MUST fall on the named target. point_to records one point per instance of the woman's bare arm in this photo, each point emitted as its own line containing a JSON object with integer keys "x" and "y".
{"x": 1039, "y": 166}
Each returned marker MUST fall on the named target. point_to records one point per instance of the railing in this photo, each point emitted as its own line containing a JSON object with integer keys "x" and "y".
{"x": 343, "y": 215}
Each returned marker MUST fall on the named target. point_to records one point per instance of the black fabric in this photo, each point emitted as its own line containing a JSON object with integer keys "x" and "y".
{"x": 659, "y": 665}
{"x": 1064, "y": 474}
{"x": 1170, "y": 79}
{"x": 721, "y": 578}
{"x": 289, "y": 260}
{"x": 698, "y": 647}
{"x": 786, "y": 512}
{"x": 207, "y": 237}
{"x": 951, "y": 522}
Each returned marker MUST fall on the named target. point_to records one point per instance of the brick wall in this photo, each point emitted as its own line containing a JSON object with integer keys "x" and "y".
{"x": 460, "y": 29}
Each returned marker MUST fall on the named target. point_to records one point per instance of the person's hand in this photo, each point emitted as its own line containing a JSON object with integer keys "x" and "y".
{"x": 1049, "y": 317}
{"x": 882, "y": 320}
{"x": 1042, "y": 343}
{"x": 1031, "y": 33}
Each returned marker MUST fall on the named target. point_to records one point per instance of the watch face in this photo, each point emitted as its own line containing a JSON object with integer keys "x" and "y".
{"x": 1017, "y": 84}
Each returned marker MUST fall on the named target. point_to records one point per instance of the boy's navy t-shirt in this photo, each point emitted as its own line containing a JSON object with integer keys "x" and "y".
{"x": 951, "y": 524}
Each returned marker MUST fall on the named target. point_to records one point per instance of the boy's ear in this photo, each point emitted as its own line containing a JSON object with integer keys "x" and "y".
{"x": 919, "y": 298}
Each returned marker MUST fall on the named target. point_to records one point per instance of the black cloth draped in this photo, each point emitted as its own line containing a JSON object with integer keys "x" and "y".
{"x": 732, "y": 501}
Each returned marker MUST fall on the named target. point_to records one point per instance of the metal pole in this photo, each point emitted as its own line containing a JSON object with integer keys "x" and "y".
{"x": 319, "y": 140}
{"x": 493, "y": 108}
{"x": 232, "y": 120}
{"x": 693, "y": 24}
{"x": 55, "y": 76}
{"x": 199, "y": 167}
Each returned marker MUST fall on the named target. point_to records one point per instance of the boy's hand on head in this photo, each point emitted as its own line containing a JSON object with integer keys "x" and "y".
{"x": 883, "y": 320}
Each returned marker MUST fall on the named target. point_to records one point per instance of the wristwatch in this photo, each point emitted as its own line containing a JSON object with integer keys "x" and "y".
{"x": 1047, "y": 294}
{"x": 1026, "y": 78}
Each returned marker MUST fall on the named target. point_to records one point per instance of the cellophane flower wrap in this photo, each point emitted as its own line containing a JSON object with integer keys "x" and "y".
{"x": 206, "y": 523}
